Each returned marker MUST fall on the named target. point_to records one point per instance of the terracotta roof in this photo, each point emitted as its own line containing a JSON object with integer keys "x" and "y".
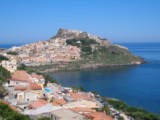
{"x": 34, "y": 86}
{"x": 21, "y": 75}
{"x": 82, "y": 110}
{"x": 98, "y": 116}
{"x": 78, "y": 96}
{"x": 59, "y": 102}
{"x": 11, "y": 106}
{"x": 21, "y": 88}
{"x": 31, "y": 86}
{"x": 37, "y": 104}
{"x": 55, "y": 104}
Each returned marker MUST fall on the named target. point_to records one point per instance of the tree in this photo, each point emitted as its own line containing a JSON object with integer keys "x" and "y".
{"x": 106, "y": 109}
{"x": 86, "y": 50}
{"x": 26, "y": 68}
{"x": 4, "y": 74}
{"x": 3, "y": 58}
{"x": 49, "y": 79}
{"x": 120, "y": 118}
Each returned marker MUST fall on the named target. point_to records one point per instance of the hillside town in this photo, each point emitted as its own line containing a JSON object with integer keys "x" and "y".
{"x": 54, "y": 50}
{"x": 28, "y": 95}
{"x": 46, "y": 53}
{"x": 57, "y": 51}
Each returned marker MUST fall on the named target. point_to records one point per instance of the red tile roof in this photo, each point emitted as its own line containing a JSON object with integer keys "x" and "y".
{"x": 59, "y": 102}
{"x": 21, "y": 88}
{"x": 37, "y": 104}
{"x": 98, "y": 116}
{"x": 34, "y": 86}
{"x": 78, "y": 96}
{"x": 21, "y": 75}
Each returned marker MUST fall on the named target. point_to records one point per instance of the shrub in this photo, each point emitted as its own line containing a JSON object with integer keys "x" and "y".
{"x": 76, "y": 88}
{"x": 7, "y": 113}
{"x": 12, "y": 53}
{"x": 26, "y": 68}
{"x": 3, "y": 58}
{"x": 4, "y": 74}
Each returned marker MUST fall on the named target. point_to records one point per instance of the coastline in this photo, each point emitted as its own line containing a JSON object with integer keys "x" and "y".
{"x": 114, "y": 105}
{"x": 90, "y": 66}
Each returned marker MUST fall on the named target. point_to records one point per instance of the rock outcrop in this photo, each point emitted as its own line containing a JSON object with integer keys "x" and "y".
{"x": 65, "y": 34}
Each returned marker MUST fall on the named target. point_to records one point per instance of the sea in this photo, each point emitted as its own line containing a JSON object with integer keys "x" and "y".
{"x": 137, "y": 85}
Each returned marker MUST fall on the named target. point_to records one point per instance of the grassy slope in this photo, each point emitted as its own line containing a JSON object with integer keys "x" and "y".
{"x": 113, "y": 55}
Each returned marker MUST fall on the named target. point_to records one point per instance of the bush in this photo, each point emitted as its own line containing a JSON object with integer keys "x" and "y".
{"x": 86, "y": 50}
{"x": 81, "y": 42}
{"x": 106, "y": 109}
{"x": 76, "y": 88}
{"x": 12, "y": 53}
{"x": 120, "y": 118}
{"x": 3, "y": 58}
{"x": 4, "y": 74}
{"x": 119, "y": 105}
{"x": 7, "y": 113}
{"x": 26, "y": 68}
{"x": 49, "y": 79}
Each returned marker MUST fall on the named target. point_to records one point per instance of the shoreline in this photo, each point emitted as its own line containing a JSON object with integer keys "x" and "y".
{"x": 110, "y": 104}
{"x": 87, "y": 67}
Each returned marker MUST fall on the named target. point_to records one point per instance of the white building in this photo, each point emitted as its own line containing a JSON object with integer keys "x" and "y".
{"x": 10, "y": 65}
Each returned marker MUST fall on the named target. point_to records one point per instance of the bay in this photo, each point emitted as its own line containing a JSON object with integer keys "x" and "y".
{"x": 136, "y": 85}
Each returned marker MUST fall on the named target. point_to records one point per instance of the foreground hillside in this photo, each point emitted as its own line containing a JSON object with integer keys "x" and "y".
{"x": 73, "y": 49}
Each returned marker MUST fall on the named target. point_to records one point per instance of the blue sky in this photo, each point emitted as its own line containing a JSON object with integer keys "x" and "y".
{"x": 26, "y": 21}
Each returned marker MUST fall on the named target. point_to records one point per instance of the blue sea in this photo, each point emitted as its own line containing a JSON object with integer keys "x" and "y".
{"x": 136, "y": 85}
{"x": 5, "y": 46}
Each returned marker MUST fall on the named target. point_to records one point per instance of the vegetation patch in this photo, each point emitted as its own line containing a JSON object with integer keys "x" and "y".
{"x": 8, "y": 114}
{"x": 3, "y": 58}
{"x": 134, "y": 112}
{"x": 27, "y": 68}
{"x": 12, "y": 53}
{"x": 76, "y": 88}
{"x": 4, "y": 74}
{"x": 83, "y": 43}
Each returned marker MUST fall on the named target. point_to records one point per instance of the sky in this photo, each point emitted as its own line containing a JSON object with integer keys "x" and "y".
{"x": 27, "y": 21}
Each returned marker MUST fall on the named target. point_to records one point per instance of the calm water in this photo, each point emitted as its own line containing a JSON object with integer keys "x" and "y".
{"x": 136, "y": 85}
{"x": 9, "y": 45}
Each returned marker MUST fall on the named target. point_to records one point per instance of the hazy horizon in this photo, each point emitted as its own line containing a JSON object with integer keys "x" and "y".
{"x": 122, "y": 21}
